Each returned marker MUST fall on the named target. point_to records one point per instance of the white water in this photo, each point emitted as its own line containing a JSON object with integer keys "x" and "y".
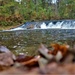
{"x": 66, "y": 24}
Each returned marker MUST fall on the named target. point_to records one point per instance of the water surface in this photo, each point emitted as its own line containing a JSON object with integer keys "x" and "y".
{"x": 28, "y": 41}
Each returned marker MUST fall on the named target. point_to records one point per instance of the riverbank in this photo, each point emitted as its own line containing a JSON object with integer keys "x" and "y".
{"x": 8, "y": 27}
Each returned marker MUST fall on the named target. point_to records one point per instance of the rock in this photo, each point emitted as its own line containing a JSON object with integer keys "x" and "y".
{"x": 6, "y": 56}
{"x": 6, "y": 59}
{"x": 4, "y": 49}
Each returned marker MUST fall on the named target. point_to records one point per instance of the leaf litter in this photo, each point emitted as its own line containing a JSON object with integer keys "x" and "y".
{"x": 59, "y": 59}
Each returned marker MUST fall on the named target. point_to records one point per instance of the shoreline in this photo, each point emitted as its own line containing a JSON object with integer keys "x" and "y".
{"x": 8, "y": 27}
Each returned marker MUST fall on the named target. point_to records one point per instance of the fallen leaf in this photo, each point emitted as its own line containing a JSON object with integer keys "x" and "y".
{"x": 59, "y": 51}
{"x": 29, "y": 61}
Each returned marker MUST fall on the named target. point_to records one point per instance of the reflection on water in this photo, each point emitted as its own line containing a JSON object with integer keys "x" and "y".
{"x": 28, "y": 41}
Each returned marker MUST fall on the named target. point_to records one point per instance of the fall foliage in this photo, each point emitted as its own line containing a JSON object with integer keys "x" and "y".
{"x": 12, "y": 13}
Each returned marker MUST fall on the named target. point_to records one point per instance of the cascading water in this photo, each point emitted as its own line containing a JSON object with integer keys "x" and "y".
{"x": 62, "y": 24}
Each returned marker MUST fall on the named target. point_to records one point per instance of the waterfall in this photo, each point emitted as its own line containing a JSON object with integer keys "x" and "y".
{"x": 58, "y": 24}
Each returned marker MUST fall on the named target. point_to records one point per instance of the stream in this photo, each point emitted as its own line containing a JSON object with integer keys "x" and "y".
{"x": 28, "y": 37}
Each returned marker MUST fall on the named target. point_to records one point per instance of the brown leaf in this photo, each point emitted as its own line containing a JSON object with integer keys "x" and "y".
{"x": 29, "y": 61}
{"x": 57, "y": 47}
{"x": 23, "y": 58}
{"x": 68, "y": 58}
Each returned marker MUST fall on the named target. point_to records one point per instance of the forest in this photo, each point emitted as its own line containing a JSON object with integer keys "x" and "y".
{"x": 14, "y": 13}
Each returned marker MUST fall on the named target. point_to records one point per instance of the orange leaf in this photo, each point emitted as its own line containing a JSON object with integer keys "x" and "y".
{"x": 57, "y": 47}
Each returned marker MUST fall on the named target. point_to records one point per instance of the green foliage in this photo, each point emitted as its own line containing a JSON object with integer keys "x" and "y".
{"x": 12, "y": 13}
{"x": 67, "y": 9}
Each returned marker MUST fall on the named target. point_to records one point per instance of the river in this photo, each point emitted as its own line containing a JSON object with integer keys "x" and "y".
{"x": 28, "y": 40}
